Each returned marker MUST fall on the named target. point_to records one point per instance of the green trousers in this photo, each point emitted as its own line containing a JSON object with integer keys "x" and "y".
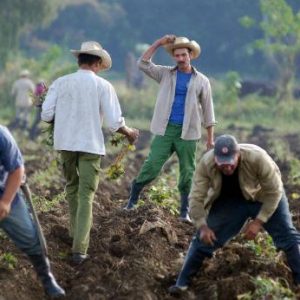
{"x": 82, "y": 173}
{"x": 162, "y": 147}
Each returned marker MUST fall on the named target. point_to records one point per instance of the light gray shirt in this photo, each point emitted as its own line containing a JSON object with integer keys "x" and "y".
{"x": 198, "y": 110}
{"x": 22, "y": 88}
{"x": 80, "y": 102}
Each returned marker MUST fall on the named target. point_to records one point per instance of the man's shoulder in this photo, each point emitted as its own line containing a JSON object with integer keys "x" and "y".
{"x": 252, "y": 153}
{"x": 103, "y": 83}
{"x": 66, "y": 77}
{"x": 5, "y": 135}
{"x": 200, "y": 75}
{"x": 251, "y": 148}
{"x": 3, "y": 130}
{"x": 208, "y": 158}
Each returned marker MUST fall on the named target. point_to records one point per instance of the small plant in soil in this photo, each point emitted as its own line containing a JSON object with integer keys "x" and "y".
{"x": 164, "y": 196}
{"x": 294, "y": 175}
{"x": 268, "y": 289}
{"x": 262, "y": 246}
{"x": 3, "y": 236}
{"x": 8, "y": 261}
{"x": 116, "y": 169}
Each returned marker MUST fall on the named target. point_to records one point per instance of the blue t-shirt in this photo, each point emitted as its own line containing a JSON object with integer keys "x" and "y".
{"x": 177, "y": 113}
{"x": 10, "y": 158}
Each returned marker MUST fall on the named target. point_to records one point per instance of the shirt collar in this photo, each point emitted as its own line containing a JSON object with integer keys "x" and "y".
{"x": 85, "y": 71}
{"x": 174, "y": 69}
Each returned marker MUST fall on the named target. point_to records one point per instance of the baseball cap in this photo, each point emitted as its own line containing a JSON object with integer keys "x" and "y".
{"x": 225, "y": 150}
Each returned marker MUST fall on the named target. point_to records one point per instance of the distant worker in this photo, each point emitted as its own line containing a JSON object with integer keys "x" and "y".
{"x": 184, "y": 104}
{"x": 134, "y": 77}
{"x": 22, "y": 90}
{"x": 236, "y": 185}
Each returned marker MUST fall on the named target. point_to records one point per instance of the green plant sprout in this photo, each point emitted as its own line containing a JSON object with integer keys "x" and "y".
{"x": 116, "y": 169}
{"x": 8, "y": 261}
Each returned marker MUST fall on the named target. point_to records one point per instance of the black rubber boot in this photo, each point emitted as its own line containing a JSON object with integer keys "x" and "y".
{"x": 42, "y": 267}
{"x": 293, "y": 258}
{"x": 184, "y": 208}
{"x": 136, "y": 189}
{"x": 192, "y": 264}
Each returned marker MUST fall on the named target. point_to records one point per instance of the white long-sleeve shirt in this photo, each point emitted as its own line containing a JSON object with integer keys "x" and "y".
{"x": 21, "y": 90}
{"x": 79, "y": 103}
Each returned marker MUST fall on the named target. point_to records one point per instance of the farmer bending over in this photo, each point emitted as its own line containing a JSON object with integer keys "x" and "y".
{"x": 233, "y": 184}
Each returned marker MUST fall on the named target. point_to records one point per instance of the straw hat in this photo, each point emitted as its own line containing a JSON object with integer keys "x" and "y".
{"x": 183, "y": 42}
{"x": 24, "y": 73}
{"x": 94, "y": 48}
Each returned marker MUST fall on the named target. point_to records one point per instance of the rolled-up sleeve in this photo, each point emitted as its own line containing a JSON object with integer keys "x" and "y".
{"x": 207, "y": 104}
{"x": 110, "y": 108}
{"x": 48, "y": 106}
{"x": 152, "y": 70}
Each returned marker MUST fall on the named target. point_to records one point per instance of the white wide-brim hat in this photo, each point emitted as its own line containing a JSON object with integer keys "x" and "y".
{"x": 94, "y": 48}
{"x": 183, "y": 42}
{"x": 24, "y": 73}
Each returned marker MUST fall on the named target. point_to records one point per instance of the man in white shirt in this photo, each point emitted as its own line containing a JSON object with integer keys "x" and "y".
{"x": 80, "y": 102}
{"x": 21, "y": 90}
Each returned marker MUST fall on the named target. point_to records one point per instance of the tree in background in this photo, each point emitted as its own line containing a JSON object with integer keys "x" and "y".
{"x": 281, "y": 42}
{"x": 17, "y": 16}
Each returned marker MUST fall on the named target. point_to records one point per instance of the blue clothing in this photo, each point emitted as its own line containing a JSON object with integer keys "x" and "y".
{"x": 10, "y": 158}
{"x": 177, "y": 113}
{"x": 19, "y": 226}
{"x": 225, "y": 227}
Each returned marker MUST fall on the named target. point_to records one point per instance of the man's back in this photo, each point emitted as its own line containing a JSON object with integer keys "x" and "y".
{"x": 22, "y": 89}
{"x": 81, "y": 100}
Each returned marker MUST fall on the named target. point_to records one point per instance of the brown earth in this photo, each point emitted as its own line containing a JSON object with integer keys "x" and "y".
{"x": 137, "y": 254}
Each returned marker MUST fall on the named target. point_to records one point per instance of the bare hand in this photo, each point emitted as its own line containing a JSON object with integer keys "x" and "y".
{"x": 132, "y": 135}
{"x": 207, "y": 235}
{"x": 4, "y": 209}
{"x": 167, "y": 39}
{"x": 210, "y": 145}
{"x": 252, "y": 229}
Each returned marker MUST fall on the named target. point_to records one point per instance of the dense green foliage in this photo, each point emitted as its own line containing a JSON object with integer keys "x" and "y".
{"x": 281, "y": 41}
{"x": 18, "y": 17}
{"x": 121, "y": 24}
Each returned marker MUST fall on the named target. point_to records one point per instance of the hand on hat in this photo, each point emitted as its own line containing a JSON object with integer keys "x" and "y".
{"x": 167, "y": 39}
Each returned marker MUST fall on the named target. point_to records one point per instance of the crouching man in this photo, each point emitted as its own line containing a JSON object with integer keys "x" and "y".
{"x": 235, "y": 183}
{"x": 15, "y": 219}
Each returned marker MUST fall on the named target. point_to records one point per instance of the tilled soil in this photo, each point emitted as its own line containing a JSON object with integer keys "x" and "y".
{"x": 137, "y": 254}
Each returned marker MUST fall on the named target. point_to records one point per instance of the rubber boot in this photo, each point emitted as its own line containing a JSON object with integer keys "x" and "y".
{"x": 191, "y": 266}
{"x": 293, "y": 259}
{"x": 184, "y": 208}
{"x": 42, "y": 267}
{"x": 136, "y": 189}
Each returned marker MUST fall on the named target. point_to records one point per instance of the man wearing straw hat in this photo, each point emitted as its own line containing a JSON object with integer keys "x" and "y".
{"x": 184, "y": 104}
{"x": 79, "y": 102}
{"x": 21, "y": 90}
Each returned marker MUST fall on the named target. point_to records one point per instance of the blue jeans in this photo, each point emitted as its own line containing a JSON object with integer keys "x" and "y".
{"x": 226, "y": 218}
{"x": 19, "y": 226}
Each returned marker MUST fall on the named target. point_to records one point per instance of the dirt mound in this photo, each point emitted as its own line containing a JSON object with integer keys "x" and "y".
{"x": 135, "y": 254}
